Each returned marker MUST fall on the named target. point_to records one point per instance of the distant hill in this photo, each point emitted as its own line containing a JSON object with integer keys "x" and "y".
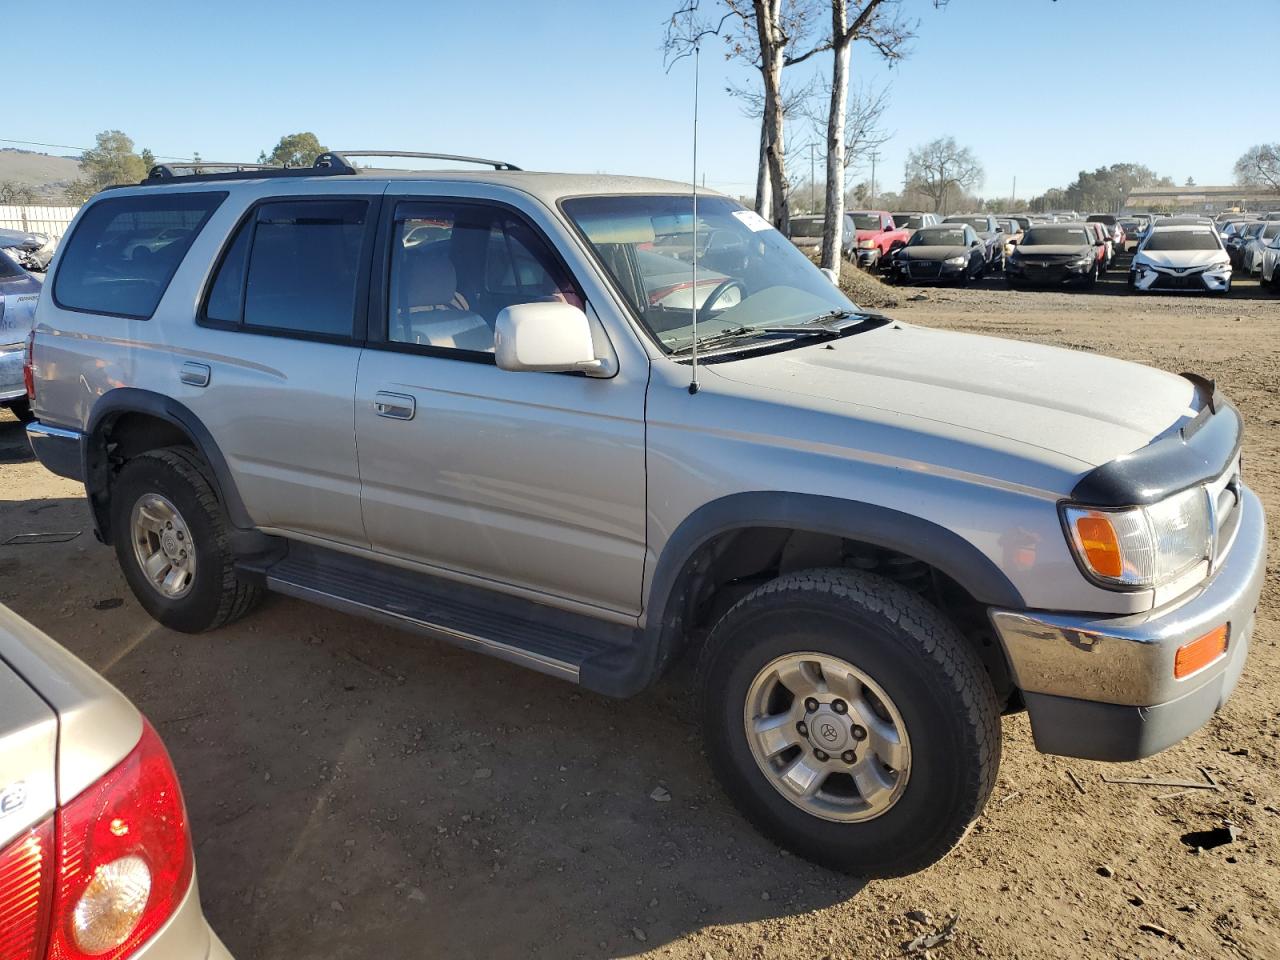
{"x": 47, "y": 174}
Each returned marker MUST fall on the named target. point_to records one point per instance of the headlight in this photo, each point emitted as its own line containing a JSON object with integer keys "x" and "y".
{"x": 956, "y": 261}
{"x": 866, "y": 244}
{"x": 1142, "y": 546}
{"x": 1083, "y": 262}
{"x": 1219, "y": 267}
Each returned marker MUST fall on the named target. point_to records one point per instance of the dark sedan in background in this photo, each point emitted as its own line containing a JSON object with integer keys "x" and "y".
{"x": 988, "y": 231}
{"x": 1054, "y": 254}
{"x": 949, "y": 253}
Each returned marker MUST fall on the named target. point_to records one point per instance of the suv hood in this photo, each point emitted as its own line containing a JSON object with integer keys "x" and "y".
{"x": 1089, "y": 408}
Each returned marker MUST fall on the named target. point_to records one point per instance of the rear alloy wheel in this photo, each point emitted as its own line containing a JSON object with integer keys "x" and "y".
{"x": 847, "y": 718}
{"x": 172, "y": 540}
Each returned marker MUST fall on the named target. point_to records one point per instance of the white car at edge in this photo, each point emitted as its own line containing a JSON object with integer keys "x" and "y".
{"x": 1181, "y": 257}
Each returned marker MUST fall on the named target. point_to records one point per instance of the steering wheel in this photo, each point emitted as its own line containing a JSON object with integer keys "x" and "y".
{"x": 721, "y": 289}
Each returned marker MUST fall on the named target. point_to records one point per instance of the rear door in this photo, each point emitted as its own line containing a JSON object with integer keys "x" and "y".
{"x": 281, "y": 323}
{"x": 529, "y": 481}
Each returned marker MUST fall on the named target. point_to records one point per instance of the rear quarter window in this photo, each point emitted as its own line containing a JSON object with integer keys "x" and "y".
{"x": 125, "y": 250}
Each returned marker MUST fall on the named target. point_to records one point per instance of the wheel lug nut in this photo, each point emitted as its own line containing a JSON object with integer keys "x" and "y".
{"x": 802, "y": 728}
{"x": 839, "y": 706}
{"x": 820, "y": 755}
{"x": 811, "y": 704}
{"x": 859, "y": 733}
{"x": 848, "y": 756}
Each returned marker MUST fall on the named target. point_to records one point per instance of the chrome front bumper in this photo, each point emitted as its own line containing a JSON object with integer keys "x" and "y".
{"x": 1079, "y": 674}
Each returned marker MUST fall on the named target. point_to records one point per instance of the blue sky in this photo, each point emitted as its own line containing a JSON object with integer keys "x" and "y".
{"x": 1034, "y": 87}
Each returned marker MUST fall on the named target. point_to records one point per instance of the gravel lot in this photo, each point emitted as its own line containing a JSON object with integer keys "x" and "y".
{"x": 357, "y": 792}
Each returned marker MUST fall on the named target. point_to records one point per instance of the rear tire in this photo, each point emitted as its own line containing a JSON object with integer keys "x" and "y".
{"x": 931, "y": 695}
{"x": 163, "y": 502}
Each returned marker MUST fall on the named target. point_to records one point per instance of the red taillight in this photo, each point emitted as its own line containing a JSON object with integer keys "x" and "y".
{"x": 26, "y": 885}
{"x": 28, "y": 371}
{"x": 124, "y": 858}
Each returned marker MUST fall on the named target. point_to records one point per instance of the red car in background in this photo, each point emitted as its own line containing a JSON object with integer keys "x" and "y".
{"x": 877, "y": 237}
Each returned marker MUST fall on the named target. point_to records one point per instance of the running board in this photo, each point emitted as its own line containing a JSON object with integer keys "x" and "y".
{"x": 542, "y": 638}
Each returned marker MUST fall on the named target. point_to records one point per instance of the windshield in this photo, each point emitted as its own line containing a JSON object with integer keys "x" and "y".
{"x": 937, "y": 237}
{"x": 866, "y": 221}
{"x": 910, "y": 221}
{"x": 1182, "y": 240}
{"x": 806, "y": 227}
{"x": 1055, "y": 237}
{"x": 1131, "y": 226}
{"x": 978, "y": 223}
{"x": 749, "y": 275}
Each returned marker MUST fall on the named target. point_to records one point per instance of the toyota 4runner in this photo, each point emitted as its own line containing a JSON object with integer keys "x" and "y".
{"x": 588, "y": 424}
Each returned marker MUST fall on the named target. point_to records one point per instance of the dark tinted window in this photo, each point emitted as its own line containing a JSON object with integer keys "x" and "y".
{"x": 806, "y": 226}
{"x": 303, "y": 266}
{"x": 1182, "y": 240}
{"x": 1055, "y": 237}
{"x": 228, "y": 285}
{"x": 980, "y": 224}
{"x": 9, "y": 268}
{"x": 125, "y": 250}
{"x": 938, "y": 237}
{"x": 912, "y": 221}
{"x": 866, "y": 221}
{"x": 294, "y": 266}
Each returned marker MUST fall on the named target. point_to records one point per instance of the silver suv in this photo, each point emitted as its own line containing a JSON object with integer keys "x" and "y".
{"x": 590, "y": 424}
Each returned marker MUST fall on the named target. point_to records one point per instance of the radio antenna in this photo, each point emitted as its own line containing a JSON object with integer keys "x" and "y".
{"x": 693, "y": 297}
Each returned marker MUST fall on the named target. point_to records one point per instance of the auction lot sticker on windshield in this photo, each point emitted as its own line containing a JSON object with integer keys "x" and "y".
{"x": 752, "y": 220}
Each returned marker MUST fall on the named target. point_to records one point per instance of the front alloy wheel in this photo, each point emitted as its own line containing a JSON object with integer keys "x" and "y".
{"x": 828, "y": 737}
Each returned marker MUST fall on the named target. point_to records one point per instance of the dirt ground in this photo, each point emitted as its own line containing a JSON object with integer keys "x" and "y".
{"x": 356, "y": 792}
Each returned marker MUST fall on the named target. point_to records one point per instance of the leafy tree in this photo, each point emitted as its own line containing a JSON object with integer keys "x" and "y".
{"x": 110, "y": 161}
{"x": 148, "y": 159}
{"x": 1260, "y": 167}
{"x": 295, "y": 150}
{"x": 941, "y": 169}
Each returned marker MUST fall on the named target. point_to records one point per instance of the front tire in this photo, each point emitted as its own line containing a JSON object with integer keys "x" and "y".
{"x": 171, "y": 538}
{"x": 867, "y": 668}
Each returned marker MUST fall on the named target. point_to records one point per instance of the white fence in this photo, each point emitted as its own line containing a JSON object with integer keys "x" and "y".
{"x": 36, "y": 218}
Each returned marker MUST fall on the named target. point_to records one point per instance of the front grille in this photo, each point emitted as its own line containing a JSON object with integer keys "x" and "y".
{"x": 1182, "y": 281}
{"x": 1224, "y": 497}
{"x": 923, "y": 269}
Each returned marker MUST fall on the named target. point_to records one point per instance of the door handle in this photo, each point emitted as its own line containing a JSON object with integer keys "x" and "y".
{"x": 396, "y": 406}
{"x": 195, "y": 374}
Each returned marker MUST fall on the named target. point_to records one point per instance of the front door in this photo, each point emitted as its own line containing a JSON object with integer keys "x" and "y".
{"x": 531, "y": 481}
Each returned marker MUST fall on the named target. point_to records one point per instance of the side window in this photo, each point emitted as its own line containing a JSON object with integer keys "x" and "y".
{"x": 293, "y": 267}
{"x": 456, "y": 266}
{"x": 125, "y": 250}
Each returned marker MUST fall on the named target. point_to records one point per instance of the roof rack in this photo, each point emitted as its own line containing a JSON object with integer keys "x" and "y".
{"x": 329, "y": 164}
{"x": 341, "y": 157}
{"x": 326, "y": 165}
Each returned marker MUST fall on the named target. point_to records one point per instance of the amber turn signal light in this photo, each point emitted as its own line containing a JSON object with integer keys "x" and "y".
{"x": 1100, "y": 544}
{"x": 1199, "y": 653}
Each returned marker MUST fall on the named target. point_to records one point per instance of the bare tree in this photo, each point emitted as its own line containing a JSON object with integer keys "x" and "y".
{"x": 770, "y": 35}
{"x": 878, "y": 23}
{"x": 796, "y": 102}
{"x": 1260, "y": 166}
{"x": 941, "y": 166}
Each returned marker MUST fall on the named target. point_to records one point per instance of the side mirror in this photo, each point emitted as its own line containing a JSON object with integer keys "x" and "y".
{"x": 975, "y": 243}
{"x": 548, "y": 337}
{"x": 831, "y": 275}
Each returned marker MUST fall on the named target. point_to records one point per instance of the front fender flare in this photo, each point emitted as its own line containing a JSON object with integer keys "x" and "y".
{"x": 850, "y": 519}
